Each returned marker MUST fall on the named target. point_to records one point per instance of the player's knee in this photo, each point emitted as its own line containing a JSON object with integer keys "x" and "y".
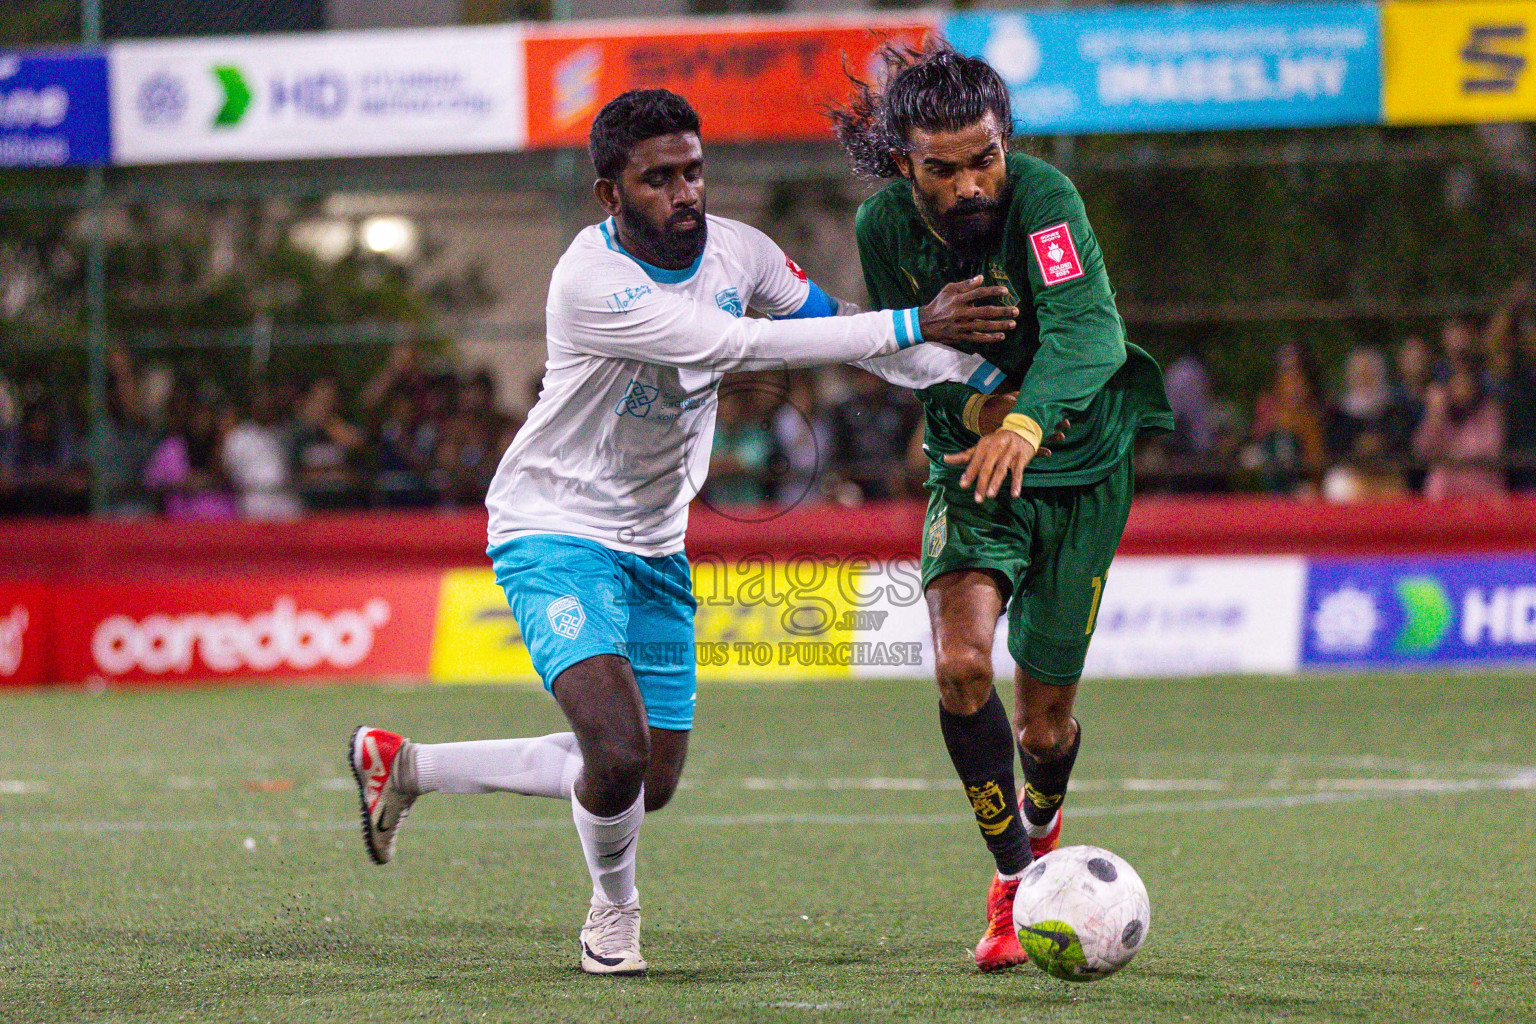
{"x": 658, "y": 793}
{"x": 619, "y": 763}
{"x": 1047, "y": 736}
{"x": 965, "y": 680}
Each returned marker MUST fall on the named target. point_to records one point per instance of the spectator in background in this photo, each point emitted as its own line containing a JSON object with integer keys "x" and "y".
{"x": 183, "y": 472}
{"x": 325, "y": 447}
{"x": 739, "y": 461}
{"x": 1520, "y": 404}
{"x": 870, "y": 432}
{"x": 473, "y": 439}
{"x": 1189, "y": 395}
{"x": 45, "y": 461}
{"x": 1458, "y": 341}
{"x": 1359, "y": 425}
{"x": 1461, "y": 437}
{"x": 802, "y": 442}
{"x": 254, "y": 455}
{"x": 1286, "y": 447}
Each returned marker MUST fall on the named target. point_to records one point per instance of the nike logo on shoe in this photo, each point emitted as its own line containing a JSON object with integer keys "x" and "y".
{"x": 606, "y": 961}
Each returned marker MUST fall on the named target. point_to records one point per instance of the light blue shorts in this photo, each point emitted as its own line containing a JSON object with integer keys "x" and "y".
{"x": 574, "y": 598}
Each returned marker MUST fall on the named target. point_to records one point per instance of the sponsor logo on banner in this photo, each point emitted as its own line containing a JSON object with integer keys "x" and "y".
{"x": 1452, "y": 63}
{"x": 1407, "y": 611}
{"x": 1144, "y": 68}
{"x": 448, "y": 90}
{"x": 369, "y": 625}
{"x": 750, "y": 80}
{"x": 284, "y": 637}
{"x": 53, "y": 110}
{"x": 1056, "y": 254}
{"x": 1193, "y": 616}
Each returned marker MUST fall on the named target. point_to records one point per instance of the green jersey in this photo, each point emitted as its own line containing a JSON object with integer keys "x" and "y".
{"x": 1068, "y": 355}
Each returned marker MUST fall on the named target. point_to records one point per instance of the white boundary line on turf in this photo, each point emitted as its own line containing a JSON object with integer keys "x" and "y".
{"x": 1523, "y": 782}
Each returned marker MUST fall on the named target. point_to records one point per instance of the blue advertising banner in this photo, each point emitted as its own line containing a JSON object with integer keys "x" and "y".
{"x": 1420, "y": 611}
{"x": 53, "y": 110}
{"x": 1200, "y": 66}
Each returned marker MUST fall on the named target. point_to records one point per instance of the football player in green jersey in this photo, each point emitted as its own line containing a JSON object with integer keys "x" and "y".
{"x": 1008, "y": 528}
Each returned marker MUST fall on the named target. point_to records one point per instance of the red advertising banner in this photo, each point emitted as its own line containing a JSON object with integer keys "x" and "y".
{"x": 750, "y": 80}
{"x": 272, "y": 627}
{"x": 25, "y": 610}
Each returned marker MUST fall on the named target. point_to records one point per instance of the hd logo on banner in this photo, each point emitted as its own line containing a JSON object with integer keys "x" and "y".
{"x": 340, "y": 94}
{"x": 1201, "y": 66}
{"x": 1417, "y": 611}
{"x": 1449, "y": 63}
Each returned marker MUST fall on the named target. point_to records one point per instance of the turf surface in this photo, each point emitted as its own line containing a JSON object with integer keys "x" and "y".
{"x": 1322, "y": 849}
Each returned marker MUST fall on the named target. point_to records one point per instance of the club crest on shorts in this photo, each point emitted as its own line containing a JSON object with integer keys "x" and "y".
{"x": 566, "y": 616}
{"x": 1056, "y": 254}
{"x": 938, "y": 533}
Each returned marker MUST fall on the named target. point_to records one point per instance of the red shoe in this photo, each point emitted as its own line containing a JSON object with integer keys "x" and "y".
{"x": 384, "y": 765}
{"x": 1043, "y": 845}
{"x": 1000, "y": 948}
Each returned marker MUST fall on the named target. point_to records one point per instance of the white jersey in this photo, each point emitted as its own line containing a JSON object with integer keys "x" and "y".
{"x": 618, "y": 442}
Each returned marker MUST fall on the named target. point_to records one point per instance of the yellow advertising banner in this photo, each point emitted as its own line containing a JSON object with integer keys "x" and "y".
{"x": 1455, "y": 63}
{"x": 805, "y": 619}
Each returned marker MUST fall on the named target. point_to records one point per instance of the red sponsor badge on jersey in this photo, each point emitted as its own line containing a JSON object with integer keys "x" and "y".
{"x": 1056, "y": 254}
{"x": 794, "y": 268}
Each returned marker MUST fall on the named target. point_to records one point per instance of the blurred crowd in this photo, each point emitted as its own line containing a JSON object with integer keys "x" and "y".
{"x": 1446, "y": 416}
{"x": 179, "y": 444}
{"x": 1453, "y": 414}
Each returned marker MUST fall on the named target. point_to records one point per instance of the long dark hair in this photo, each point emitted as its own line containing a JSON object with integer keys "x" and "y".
{"x": 935, "y": 88}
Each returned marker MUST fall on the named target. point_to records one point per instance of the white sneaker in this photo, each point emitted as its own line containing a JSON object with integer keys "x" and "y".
{"x": 384, "y": 765}
{"x": 610, "y": 940}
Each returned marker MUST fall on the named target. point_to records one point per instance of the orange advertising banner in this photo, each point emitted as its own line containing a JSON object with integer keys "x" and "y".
{"x": 751, "y": 80}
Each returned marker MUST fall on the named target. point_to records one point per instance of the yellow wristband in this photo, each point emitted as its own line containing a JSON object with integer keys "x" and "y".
{"x": 971, "y": 418}
{"x": 1025, "y": 427}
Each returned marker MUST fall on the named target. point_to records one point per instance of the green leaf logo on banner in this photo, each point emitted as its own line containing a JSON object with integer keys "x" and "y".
{"x": 237, "y": 97}
{"x": 1427, "y": 613}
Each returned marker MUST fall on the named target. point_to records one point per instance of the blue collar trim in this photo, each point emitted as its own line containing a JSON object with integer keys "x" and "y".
{"x": 657, "y": 274}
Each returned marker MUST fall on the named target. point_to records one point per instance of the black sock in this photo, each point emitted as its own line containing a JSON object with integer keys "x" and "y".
{"x": 981, "y": 747}
{"x": 1045, "y": 782}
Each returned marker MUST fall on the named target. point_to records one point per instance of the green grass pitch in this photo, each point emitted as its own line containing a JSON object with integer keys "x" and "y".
{"x": 1330, "y": 849}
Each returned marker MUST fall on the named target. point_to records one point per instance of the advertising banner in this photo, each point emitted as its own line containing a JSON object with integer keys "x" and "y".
{"x": 1196, "y": 66}
{"x": 756, "y": 620}
{"x": 364, "y": 625}
{"x": 338, "y": 94}
{"x": 1157, "y": 617}
{"x": 24, "y": 633}
{"x": 1450, "y": 63}
{"x": 1421, "y": 611}
{"x": 751, "y": 80}
{"x": 53, "y": 110}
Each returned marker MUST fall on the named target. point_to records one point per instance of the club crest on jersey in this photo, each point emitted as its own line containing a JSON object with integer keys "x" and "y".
{"x": 638, "y": 399}
{"x": 729, "y": 299}
{"x": 566, "y": 617}
{"x": 794, "y": 268}
{"x": 1056, "y": 254}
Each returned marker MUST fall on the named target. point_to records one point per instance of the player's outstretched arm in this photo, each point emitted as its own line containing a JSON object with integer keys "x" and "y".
{"x": 623, "y": 315}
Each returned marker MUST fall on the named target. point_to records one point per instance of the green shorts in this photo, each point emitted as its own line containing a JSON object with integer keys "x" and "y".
{"x": 1053, "y": 545}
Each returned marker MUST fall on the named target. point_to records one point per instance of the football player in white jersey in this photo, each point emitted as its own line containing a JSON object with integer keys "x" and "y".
{"x": 590, "y": 503}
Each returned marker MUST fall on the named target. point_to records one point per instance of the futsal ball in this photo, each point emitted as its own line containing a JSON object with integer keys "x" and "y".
{"x": 1081, "y": 913}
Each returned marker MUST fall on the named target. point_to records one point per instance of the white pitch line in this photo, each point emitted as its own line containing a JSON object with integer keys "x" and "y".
{"x": 1524, "y": 782}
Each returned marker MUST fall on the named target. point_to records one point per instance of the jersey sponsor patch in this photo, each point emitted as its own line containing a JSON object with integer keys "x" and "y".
{"x": 1056, "y": 254}
{"x": 794, "y": 268}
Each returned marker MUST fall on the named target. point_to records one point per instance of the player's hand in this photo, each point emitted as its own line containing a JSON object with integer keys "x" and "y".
{"x": 993, "y": 459}
{"x": 965, "y": 312}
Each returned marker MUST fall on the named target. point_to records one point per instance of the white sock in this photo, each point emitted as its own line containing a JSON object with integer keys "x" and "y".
{"x": 610, "y": 846}
{"x": 535, "y": 766}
